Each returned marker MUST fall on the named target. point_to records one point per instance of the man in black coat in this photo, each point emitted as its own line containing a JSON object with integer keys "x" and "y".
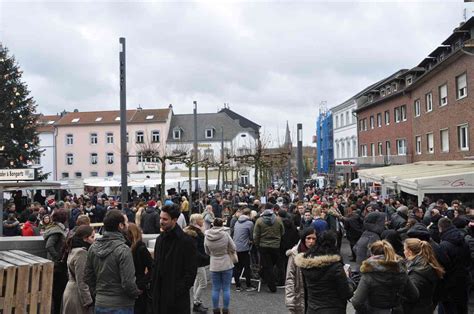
{"x": 175, "y": 265}
{"x": 454, "y": 297}
{"x": 150, "y": 222}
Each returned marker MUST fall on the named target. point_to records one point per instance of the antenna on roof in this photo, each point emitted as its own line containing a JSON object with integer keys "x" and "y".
{"x": 139, "y": 107}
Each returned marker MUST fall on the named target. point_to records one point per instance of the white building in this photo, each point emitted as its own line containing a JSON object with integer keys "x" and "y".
{"x": 345, "y": 141}
{"x": 47, "y": 161}
{"x": 239, "y": 137}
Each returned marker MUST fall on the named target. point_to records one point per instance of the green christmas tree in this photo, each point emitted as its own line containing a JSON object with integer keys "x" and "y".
{"x": 18, "y": 120}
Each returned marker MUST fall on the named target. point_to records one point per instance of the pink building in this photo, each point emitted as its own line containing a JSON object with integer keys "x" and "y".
{"x": 88, "y": 143}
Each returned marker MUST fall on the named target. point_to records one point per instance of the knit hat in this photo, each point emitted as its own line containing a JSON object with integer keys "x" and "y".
{"x": 151, "y": 203}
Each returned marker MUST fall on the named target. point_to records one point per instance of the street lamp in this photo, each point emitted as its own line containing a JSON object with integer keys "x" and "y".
{"x": 299, "y": 128}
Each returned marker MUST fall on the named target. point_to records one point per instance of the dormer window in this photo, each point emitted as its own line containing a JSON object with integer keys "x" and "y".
{"x": 177, "y": 133}
{"x": 210, "y": 133}
{"x": 394, "y": 87}
{"x": 98, "y": 119}
{"x": 117, "y": 119}
{"x": 389, "y": 90}
{"x": 382, "y": 92}
{"x": 409, "y": 80}
{"x": 150, "y": 117}
{"x": 75, "y": 120}
{"x": 371, "y": 98}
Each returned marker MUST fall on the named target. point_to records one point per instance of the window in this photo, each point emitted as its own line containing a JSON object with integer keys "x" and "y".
{"x": 370, "y": 98}
{"x": 372, "y": 149}
{"x": 110, "y": 158}
{"x": 387, "y": 117}
{"x": 365, "y": 124}
{"x": 461, "y": 86}
{"x": 78, "y": 174}
{"x": 343, "y": 150}
{"x": 75, "y": 120}
{"x": 463, "y": 137}
{"x": 155, "y": 136}
{"x": 209, "y": 154}
{"x": 176, "y": 134}
{"x": 94, "y": 174}
{"x": 139, "y": 138}
{"x": 93, "y": 138}
{"x": 389, "y": 90}
{"x": 382, "y": 92}
{"x": 69, "y": 158}
{"x": 94, "y": 159}
{"x": 397, "y": 115}
{"x": 126, "y": 137}
{"x": 210, "y": 133}
{"x": 418, "y": 145}
{"x": 409, "y": 80}
{"x": 417, "y": 108}
{"x": 149, "y": 117}
{"x": 402, "y": 147}
{"x": 117, "y": 118}
{"x": 347, "y": 118}
{"x": 65, "y": 175}
{"x": 361, "y": 125}
{"x": 354, "y": 148}
{"x": 348, "y": 149}
{"x": 444, "y": 136}
{"x": 403, "y": 110}
{"x": 110, "y": 174}
{"x": 430, "y": 143}
{"x": 371, "y": 122}
{"x": 342, "y": 119}
{"x": 110, "y": 138}
{"x": 380, "y": 148}
{"x": 429, "y": 102}
{"x": 98, "y": 119}
{"x": 443, "y": 95}
{"x": 337, "y": 121}
{"x": 394, "y": 87}
{"x": 363, "y": 150}
{"x": 379, "y": 120}
{"x": 388, "y": 148}
{"x": 69, "y": 139}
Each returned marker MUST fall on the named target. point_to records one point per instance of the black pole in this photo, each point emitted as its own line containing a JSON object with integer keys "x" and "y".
{"x": 300, "y": 160}
{"x": 222, "y": 158}
{"x": 196, "y": 171}
{"x": 123, "y": 124}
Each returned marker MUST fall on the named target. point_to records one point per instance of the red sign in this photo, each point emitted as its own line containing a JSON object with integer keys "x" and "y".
{"x": 345, "y": 163}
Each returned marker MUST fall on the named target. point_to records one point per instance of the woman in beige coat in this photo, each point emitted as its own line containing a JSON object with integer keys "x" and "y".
{"x": 77, "y": 297}
{"x": 294, "y": 286}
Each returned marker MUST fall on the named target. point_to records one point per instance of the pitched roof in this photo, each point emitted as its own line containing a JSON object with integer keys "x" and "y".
{"x": 231, "y": 122}
{"x": 113, "y": 117}
{"x": 46, "y": 123}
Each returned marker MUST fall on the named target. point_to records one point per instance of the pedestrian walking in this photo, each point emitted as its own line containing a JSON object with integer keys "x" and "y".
{"x": 110, "y": 270}
{"x": 150, "y": 219}
{"x": 77, "y": 298}
{"x": 294, "y": 285}
{"x": 175, "y": 265}
{"x": 243, "y": 235}
{"x": 221, "y": 248}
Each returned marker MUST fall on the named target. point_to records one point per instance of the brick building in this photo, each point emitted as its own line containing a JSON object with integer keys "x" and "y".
{"x": 425, "y": 113}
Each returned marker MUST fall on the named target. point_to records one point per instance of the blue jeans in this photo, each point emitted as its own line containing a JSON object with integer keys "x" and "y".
{"x": 221, "y": 280}
{"x": 121, "y": 310}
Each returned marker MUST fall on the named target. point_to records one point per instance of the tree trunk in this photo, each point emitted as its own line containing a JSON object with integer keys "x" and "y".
{"x": 257, "y": 194}
{"x": 218, "y": 178}
{"x": 206, "y": 168}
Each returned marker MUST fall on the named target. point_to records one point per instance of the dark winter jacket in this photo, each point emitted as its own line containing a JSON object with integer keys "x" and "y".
{"x": 150, "y": 221}
{"x": 374, "y": 225}
{"x": 174, "y": 271}
{"x": 420, "y": 231}
{"x": 11, "y": 228}
{"x": 398, "y": 220}
{"x": 326, "y": 284}
{"x": 354, "y": 226}
{"x": 268, "y": 230}
{"x": 459, "y": 261}
{"x": 143, "y": 265}
{"x": 196, "y": 233}
{"x": 290, "y": 237}
{"x": 425, "y": 279}
{"x": 382, "y": 286}
{"x": 110, "y": 272}
{"x": 55, "y": 237}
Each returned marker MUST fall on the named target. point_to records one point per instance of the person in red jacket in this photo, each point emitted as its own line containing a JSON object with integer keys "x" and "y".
{"x": 29, "y": 228}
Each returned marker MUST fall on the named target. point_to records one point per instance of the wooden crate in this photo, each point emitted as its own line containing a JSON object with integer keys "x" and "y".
{"x": 26, "y": 283}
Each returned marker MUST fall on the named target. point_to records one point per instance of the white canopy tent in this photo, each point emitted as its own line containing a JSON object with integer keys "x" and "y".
{"x": 425, "y": 177}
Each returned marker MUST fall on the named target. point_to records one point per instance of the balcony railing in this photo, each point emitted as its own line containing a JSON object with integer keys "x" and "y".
{"x": 384, "y": 160}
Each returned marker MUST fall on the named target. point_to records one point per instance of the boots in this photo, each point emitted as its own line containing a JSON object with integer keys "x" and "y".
{"x": 225, "y": 311}
{"x": 216, "y": 311}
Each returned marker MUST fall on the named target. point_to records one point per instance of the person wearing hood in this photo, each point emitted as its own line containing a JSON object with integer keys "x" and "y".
{"x": 55, "y": 239}
{"x": 425, "y": 272}
{"x": 374, "y": 225}
{"x": 11, "y": 226}
{"x": 267, "y": 237}
{"x": 327, "y": 287}
{"x": 208, "y": 216}
{"x": 393, "y": 237}
{"x": 294, "y": 285}
{"x": 194, "y": 230}
{"x": 243, "y": 236}
{"x": 77, "y": 298}
{"x": 454, "y": 298}
{"x": 384, "y": 282}
{"x": 399, "y": 219}
{"x": 150, "y": 219}
{"x": 220, "y": 247}
{"x": 110, "y": 272}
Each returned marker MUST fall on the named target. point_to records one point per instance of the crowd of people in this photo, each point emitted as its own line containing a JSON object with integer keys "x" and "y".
{"x": 409, "y": 258}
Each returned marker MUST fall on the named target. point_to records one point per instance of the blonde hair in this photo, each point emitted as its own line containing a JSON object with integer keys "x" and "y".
{"x": 134, "y": 234}
{"x": 384, "y": 248}
{"x": 316, "y": 211}
{"x": 194, "y": 218}
{"x": 424, "y": 249}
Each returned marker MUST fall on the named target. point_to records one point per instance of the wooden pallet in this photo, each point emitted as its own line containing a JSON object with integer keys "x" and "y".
{"x": 26, "y": 283}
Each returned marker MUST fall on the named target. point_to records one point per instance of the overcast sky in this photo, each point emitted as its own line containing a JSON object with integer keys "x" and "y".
{"x": 270, "y": 61}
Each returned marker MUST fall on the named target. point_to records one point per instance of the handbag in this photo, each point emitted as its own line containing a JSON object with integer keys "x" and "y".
{"x": 234, "y": 257}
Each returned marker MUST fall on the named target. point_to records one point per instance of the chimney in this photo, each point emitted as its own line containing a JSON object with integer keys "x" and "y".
{"x": 76, "y": 110}
{"x": 170, "y": 106}
{"x": 139, "y": 108}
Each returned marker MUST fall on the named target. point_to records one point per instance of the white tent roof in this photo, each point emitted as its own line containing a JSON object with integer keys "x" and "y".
{"x": 426, "y": 176}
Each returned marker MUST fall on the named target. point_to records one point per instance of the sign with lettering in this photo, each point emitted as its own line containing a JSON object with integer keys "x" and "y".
{"x": 17, "y": 174}
{"x": 345, "y": 162}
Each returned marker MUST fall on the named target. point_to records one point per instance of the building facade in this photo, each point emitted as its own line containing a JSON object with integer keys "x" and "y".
{"x": 345, "y": 141}
{"x": 324, "y": 146}
{"x": 46, "y": 135}
{"x": 424, "y": 113}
